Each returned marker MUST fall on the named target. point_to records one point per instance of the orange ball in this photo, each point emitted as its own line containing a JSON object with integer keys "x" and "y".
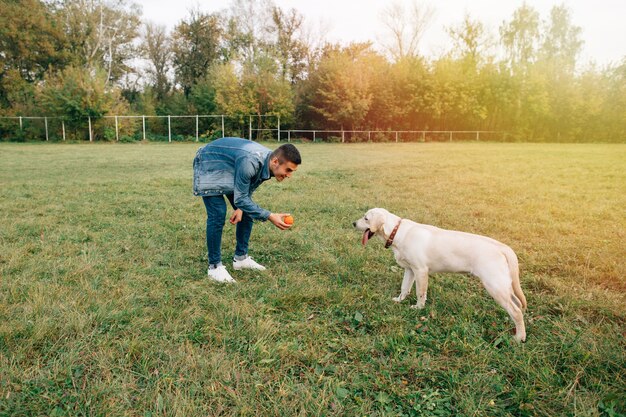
{"x": 288, "y": 219}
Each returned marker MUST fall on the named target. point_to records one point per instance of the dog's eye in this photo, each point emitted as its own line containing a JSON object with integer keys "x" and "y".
{"x": 365, "y": 218}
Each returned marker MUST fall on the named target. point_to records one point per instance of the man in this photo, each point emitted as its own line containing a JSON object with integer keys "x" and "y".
{"x": 235, "y": 167}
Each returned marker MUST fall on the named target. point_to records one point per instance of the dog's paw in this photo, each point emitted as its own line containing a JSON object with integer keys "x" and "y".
{"x": 398, "y": 299}
{"x": 418, "y": 306}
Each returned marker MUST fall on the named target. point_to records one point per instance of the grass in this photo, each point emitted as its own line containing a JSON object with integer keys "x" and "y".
{"x": 105, "y": 308}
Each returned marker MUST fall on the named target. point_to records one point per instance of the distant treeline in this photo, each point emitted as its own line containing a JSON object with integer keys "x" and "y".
{"x": 80, "y": 59}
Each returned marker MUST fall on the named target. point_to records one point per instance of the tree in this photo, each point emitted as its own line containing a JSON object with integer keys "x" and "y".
{"x": 271, "y": 93}
{"x": 18, "y": 94}
{"x": 31, "y": 42}
{"x": 202, "y": 96}
{"x": 470, "y": 41}
{"x": 406, "y": 28}
{"x": 399, "y": 92}
{"x": 343, "y": 86}
{"x": 520, "y": 38}
{"x": 157, "y": 50}
{"x": 196, "y": 45}
{"x": 556, "y": 63}
{"x": 77, "y": 94}
{"x": 249, "y": 25}
{"x": 101, "y": 34}
{"x": 613, "y": 109}
{"x": 561, "y": 44}
{"x": 291, "y": 51}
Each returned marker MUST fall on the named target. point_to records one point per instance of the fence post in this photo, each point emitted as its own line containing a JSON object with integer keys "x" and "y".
{"x": 424, "y": 136}
{"x": 45, "y": 121}
{"x": 169, "y": 128}
{"x": 90, "y": 134}
{"x": 143, "y": 118}
{"x": 314, "y": 136}
{"x": 63, "y": 128}
{"x": 343, "y": 136}
{"x": 279, "y": 128}
{"x": 450, "y": 136}
{"x": 197, "y": 128}
{"x": 289, "y": 136}
{"x": 21, "y": 123}
{"x": 117, "y": 131}
{"x": 223, "y": 133}
{"x": 396, "y": 136}
{"x": 477, "y": 135}
{"x": 250, "y": 128}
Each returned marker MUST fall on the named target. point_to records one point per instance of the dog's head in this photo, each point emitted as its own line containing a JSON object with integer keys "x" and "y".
{"x": 372, "y": 223}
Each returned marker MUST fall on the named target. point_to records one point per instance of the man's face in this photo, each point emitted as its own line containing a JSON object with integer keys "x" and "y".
{"x": 282, "y": 170}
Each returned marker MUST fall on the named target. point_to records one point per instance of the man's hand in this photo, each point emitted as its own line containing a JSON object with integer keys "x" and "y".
{"x": 236, "y": 217}
{"x": 277, "y": 219}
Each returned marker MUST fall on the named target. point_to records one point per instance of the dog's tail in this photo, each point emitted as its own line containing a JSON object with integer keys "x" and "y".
{"x": 511, "y": 259}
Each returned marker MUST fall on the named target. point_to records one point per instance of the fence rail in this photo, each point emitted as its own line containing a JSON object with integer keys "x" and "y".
{"x": 217, "y": 127}
{"x": 395, "y": 135}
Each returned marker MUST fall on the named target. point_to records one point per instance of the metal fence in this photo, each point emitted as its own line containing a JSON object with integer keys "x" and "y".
{"x": 344, "y": 136}
{"x": 138, "y": 127}
{"x": 207, "y": 127}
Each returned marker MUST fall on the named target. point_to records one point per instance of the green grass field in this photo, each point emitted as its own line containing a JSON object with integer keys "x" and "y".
{"x": 105, "y": 309}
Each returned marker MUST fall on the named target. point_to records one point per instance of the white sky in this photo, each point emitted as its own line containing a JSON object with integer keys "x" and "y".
{"x": 343, "y": 21}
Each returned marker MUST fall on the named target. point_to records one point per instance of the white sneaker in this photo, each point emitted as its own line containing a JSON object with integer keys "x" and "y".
{"x": 247, "y": 263}
{"x": 220, "y": 274}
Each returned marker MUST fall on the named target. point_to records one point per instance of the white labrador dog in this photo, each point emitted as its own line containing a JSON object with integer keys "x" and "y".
{"x": 421, "y": 249}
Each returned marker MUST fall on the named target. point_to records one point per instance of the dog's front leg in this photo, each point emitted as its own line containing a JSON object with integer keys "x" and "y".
{"x": 421, "y": 288}
{"x": 407, "y": 282}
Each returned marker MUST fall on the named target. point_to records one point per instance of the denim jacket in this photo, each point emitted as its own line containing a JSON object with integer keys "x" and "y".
{"x": 232, "y": 166}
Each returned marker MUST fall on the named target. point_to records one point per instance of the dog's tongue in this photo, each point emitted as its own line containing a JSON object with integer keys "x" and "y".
{"x": 366, "y": 236}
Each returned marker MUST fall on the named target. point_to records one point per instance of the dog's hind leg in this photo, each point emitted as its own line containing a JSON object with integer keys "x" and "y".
{"x": 407, "y": 283}
{"x": 504, "y": 296}
{"x": 421, "y": 287}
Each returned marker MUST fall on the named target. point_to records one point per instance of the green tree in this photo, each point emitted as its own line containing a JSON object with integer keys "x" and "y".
{"x": 562, "y": 43}
{"x": 101, "y": 34}
{"x": 249, "y": 26}
{"x": 196, "y": 45}
{"x": 77, "y": 94}
{"x": 202, "y": 96}
{"x": 271, "y": 93}
{"x": 31, "y": 42}
{"x": 231, "y": 97}
{"x": 470, "y": 42}
{"x": 258, "y": 90}
{"x": 520, "y": 38}
{"x": 291, "y": 51}
{"x": 343, "y": 81}
{"x": 156, "y": 48}
{"x": 556, "y": 63}
{"x": 611, "y": 121}
{"x": 399, "y": 91}
{"x": 497, "y": 94}
{"x": 19, "y": 94}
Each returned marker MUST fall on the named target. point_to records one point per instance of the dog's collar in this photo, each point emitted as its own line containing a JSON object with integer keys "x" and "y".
{"x": 392, "y": 235}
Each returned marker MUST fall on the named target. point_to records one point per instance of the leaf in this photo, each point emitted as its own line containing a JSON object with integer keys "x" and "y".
{"x": 358, "y": 317}
{"x": 342, "y": 392}
{"x": 383, "y": 398}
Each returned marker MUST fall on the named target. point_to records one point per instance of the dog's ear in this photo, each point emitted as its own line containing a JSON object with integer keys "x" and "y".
{"x": 376, "y": 220}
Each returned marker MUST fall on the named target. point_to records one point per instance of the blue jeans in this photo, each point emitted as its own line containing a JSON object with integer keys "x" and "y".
{"x": 215, "y": 218}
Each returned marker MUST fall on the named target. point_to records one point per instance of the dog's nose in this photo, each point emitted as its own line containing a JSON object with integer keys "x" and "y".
{"x": 354, "y": 224}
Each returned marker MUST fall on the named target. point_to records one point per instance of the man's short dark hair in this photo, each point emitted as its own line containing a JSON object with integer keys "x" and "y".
{"x": 287, "y": 153}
